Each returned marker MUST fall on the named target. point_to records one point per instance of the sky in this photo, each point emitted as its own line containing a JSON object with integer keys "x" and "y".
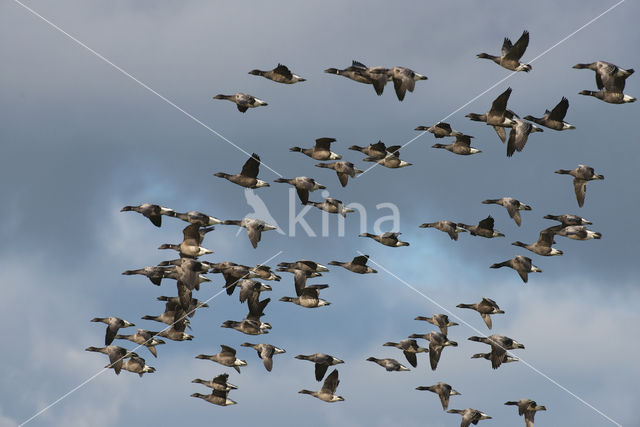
{"x": 81, "y": 140}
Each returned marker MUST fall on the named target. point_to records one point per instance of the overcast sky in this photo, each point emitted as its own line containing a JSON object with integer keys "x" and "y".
{"x": 80, "y": 140}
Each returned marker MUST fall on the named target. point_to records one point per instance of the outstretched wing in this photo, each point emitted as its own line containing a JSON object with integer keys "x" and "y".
{"x": 518, "y": 49}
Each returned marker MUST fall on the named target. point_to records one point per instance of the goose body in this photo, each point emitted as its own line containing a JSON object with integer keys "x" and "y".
{"x": 519, "y": 135}
{"x": 581, "y": 175}
{"x": 309, "y": 297}
{"x": 145, "y": 338}
{"x": 440, "y": 320}
{"x": 304, "y": 185}
{"x": 113, "y": 325}
{"x": 321, "y": 361}
{"x": 376, "y": 76}
{"x": 462, "y": 146}
{"x": 499, "y": 346}
{"x": 578, "y": 232}
{"x": 265, "y": 352}
{"x": 216, "y": 397}
{"x": 469, "y": 416}
{"x": 248, "y": 176}
{"x": 449, "y": 227}
{"x": 568, "y": 219}
{"x": 486, "y": 308}
{"x": 190, "y": 247}
{"x": 137, "y": 365}
{"x": 554, "y": 119}
{"x": 254, "y": 228}
{"x": 521, "y": 264}
{"x": 226, "y": 357}
{"x": 243, "y": 101}
{"x": 116, "y": 355}
{"x": 610, "y": 80}
{"x": 483, "y": 229}
{"x": 375, "y": 151}
{"x": 357, "y": 265}
{"x": 389, "y": 364}
{"x": 443, "y": 390}
{"x": 343, "y": 169}
{"x": 528, "y": 408}
{"x": 511, "y": 54}
{"x": 332, "y": 206}
{"x": 410, "y": 349}
{"x": 320, "y": 151}
{"x": 512, "y": 206}
{"x": 217, "y": 383}
{"x": 404, "y": 79}
{"x": 437, "y": 342}
{"x": 542, "y": 246}
{"x": 440, "y": 130}
{"x": 391, "y": 160}
{"x": 498, "y": 116}
{"x": 280, "y": 74}
{"x": 153, "y": 212}
{"x": 328, "y": 390}
{"x": 198, "y": 218}
{"x": 388, "y": 239}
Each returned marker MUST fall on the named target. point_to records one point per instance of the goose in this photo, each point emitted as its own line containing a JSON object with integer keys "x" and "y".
{"x": 462, "y": 146}
{"x": 610, "y": 80}
{"x": 443, "y": 390}
{"x": 174, "y": 304}
{"x": 187, "y": 271}
{"x": 145, "y": 338}
{"x": 357, "y": 265}
{"x": 153, "y": 273}
{"x": 226, "y": 357}
{"x": 113, "y": 324}
{"x": 486, "y": 308}
{"x": 249, "y": 287}
{"x": 343, "y": 169}
{"x": 511, "y": 54}
{"x": 391, "y": 160}
{"x": 554, "y": 119}
{"x": 498, "y": 116}
{"x": 322, "y": 362}
{"x": 437, "y": 342}
{"x": 199, "y": 218}
{"x": 217, "y": 383}
{"x": 175, "y": 335}
{"x": 217, "y": 397}
{"x": 300, "y": 277}
{"x": 389, "y": 364}
{"x": 499, "y": 346}
{"x": 577, "y": 232}
{"x": 469, "y": 416}
{"x": 483, "y": 229}
{"x": 233, "y": 274}
{"x": 116, "y": 355}
{"x": 320, "y": 151}
{"x": 409, "y": 348}
{"x": 581, "y": 175}
{"x": 519, "y": 135}
{"x": 309, "y": 297}
{"x": 446, "y": 226}
{"x": 305, "y": 265}
{"x": 175, "y": 273}
{"x": 440, "y": 130}
{"x": 137, "y": 365}
{"x": 328, "y": 390}
{"x": 332, "y": 206}
{"x": 376, "y": 151}
{"x": 254, "y": 228}
{"x": 376, "y": 76}
{"x": 243, "y": 101}
{"x": 190, "y": 245}
{"x": 264, "y": 272}
{"x": 388, "y": 239}
{"x": 487, "y": 356}
{"x": 512, "y": 206}
{"x": 280, "y": 74}
{"x": 404, "y": 79}
{"x": 153, "y": 212}
{"x": 303, "y": 185}
{"x": 248, "y": 176}
{"x": 542, "y": 246}
{"x": 568, "y": 219}
{"x": 440, "y": 320}
{"x": 265, "y": 352}
{"x": 521, "y": 264}
{"x": 251, "y": 325}
{"x": 167, "y": 317}
{"x": 528, "y": 408}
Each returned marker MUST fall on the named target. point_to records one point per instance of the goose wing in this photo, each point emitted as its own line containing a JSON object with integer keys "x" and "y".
{"x": 560, "y": 110}
{"x": 331, "y": 382}
{"x": 251, "y": 166}
{"x": 517, "y": 50}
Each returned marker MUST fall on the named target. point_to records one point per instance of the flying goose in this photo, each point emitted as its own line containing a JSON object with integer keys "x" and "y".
{"x": 145, "y": 338}
{"x": 243, "y": 101}
{"x": 376, "y": 76}
{"x": 444, "y": 391}
{"x": 320, "y": 151}
{"x": 404, "y": 79}
{"x": 217, "y": 397}
{"x": 175, "y": 335}
{"x": 248, "y": 176}
{"x": 332, "y": 206}
{"x": 483, "y": 229}
{"x": 409, "y": 348}
{"x": 357, "y": 265}
{"x": 576, "y": 232}
{"x": 251, "y": 325}
{"x": 462, "y": 146}
{"x": 568, "y": 219}
{"x": 309, "y": 297}
{"x": 511, "y": 54}
{"x": 249, "y": 287}
{"x": 440, "y": 320}
{"x": 265, "y": 352}
{"x": 446, "y": 226}
{"x": 391, "y": 160}
{"x": 581, "y": 175}
{"x": 233, "y": 274}
{"x": 487, "y": 356}
{"x": 195, "y": 217}
{"x": 254, "y": 228}
{"x": 328, "y": 390}
{"x": 512, "y": 206}
{"x": 153, "y": 273}
{"x": 174, "y": 304}
{"x": 437, "y": 342}
{"x": 388, "y": 239}
{"x": 299, "y": 277}
{"x": 543, "y": 245}
{"x": 469, "y": 416}
{"x": 375, "y": 151}
{"x": 116, "y": 355}
{"x": 187, "y": 271}
{"x": 499, "y": 346}
{"x": 217, "y": 383}
{"x": 389, "y": 364}
{"x": 486, "y": 308}
{"x": 280, "y": 74}
{"x": 113, "y": 324}
{"x": 190, "y": 247}
{"x": 343, "y": 169}
{"x": 153, "y": 212}
{"x": 440, "y": 130}
{"x": 137, "y": 365}
{"x": 498, "y": 116}
{"x": 528, "y": 408}
{"x": 322, "y": 362}
{"x": 305, "y": 265}
{"x": 521, "y": 264}
{"x": 519, "y": 135}
{"x": 264, "y": 272}
{"x": 226, "y": 357}
{"x": 554, "y": 119}
{"x": 167, "y": 317}
{"x": 303, "y": 185}
{"x": 610, "y": 80}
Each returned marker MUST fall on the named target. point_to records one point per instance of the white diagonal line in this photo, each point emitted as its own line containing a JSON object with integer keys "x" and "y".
{"x": 147, "y": 87}
{"x": 476, "y": 330}
{"x": 91, "y": 378}
{"x": 507, "y": 77}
